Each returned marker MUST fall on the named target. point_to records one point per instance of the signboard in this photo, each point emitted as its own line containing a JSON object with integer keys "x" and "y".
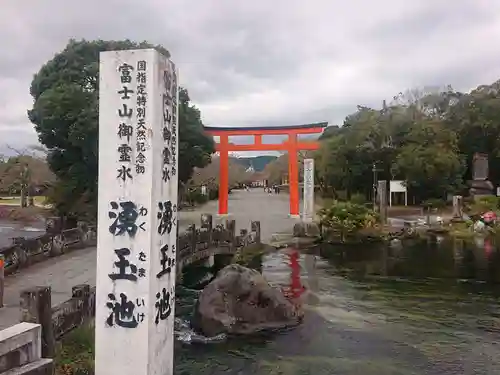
{"x": 397, "y": 187}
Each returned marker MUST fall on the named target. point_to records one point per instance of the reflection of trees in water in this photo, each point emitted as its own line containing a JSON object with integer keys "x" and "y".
{"x": 494, "y": 263}
{"x": 446, "y": 258}
{"x": 477, "y": 260}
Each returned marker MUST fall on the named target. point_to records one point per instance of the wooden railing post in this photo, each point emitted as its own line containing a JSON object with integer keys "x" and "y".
{"x": 82, "y": 292}
{"x": 194, "y": 238}
{"x": 231, "y": 228}
{"x": 255, "y": 226}
{"x": 36, "y": 307}
{"x": 207, "y": 223}
{"x": 244, "y": 237}
{"x": 2, "y": 278}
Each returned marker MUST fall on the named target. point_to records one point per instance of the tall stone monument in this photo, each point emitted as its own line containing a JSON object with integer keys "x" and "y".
{"x": 458, "y": 213}
{"x": 308, "y": 208}
{"x": 137, "y": 213}
{"x": 479, "y": 185}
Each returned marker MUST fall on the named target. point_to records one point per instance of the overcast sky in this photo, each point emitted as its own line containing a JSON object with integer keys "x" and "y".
{"x": 263, "y": 62}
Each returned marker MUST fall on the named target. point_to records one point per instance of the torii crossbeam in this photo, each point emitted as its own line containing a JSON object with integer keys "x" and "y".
{"x": 292, "y": 145}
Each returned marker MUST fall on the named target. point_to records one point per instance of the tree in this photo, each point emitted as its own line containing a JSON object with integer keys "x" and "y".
{"x": 195, "y": 147}
{"x": 276, "y": 170}
{"x": 209, "y": 175}
{"x": 65, "y": 115}
{"x": 429, "y": 162}
{"x": 411, "y": 138}
{"x": 474, "y": 117}
{"x": 23, "y": 174}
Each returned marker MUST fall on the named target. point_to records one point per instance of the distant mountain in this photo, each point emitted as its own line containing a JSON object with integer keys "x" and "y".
{"x": 258, "y": 162}
{"x": 210, "y": 173}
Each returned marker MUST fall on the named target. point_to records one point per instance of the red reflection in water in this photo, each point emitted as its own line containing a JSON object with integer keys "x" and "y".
{"x": 295, "y": 289}
{"x": 488, "y": 248}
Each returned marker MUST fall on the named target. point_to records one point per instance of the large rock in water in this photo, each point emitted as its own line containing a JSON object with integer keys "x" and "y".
{"x": 240, "y": 301}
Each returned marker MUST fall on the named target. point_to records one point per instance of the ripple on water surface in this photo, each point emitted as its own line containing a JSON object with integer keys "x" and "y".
{"x": 359, "y": 324}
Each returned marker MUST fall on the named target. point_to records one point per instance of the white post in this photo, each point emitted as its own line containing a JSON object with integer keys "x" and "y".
{"x": 390, "y": 196}
{"x": 137, "y": 213}
{"x": 308, "y": 208}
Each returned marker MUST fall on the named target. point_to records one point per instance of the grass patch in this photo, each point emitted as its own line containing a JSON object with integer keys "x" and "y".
{"x": 251, "y": 255}
{"x": 461, "y": 230}
{"x": 39, "y": 200}
{"x": 27, "y": 214}
{"x": 75, "y": 352}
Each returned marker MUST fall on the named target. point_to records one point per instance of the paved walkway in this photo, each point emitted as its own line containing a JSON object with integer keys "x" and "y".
{"x": 245, "y": 206}
{"x": 79, "y": 266}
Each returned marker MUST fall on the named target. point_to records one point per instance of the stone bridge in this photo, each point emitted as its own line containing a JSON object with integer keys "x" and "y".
{"x": 221, "y": 235}
{"x": 196, "y": 244}
{"x": 193, "y": 244}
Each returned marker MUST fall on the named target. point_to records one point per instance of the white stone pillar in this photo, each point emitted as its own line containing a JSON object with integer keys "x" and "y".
{"x": 457, "y": 207}
{"x": 308, "y": 208}
{"x": 137, "y": 213}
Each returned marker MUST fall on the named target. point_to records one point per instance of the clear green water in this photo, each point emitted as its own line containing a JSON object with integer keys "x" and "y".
{"x": 425, "y": 308}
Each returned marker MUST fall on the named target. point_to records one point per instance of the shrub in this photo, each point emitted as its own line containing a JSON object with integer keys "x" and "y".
{"x": 358, "y": 198}
{"x": 349, "y": 217}
{"x": 213, "y": 193}
{"x": 483, "y": 204}
{"x": 434, "y": 203}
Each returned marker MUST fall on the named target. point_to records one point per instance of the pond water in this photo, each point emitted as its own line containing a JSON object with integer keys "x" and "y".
{"x": 421, "y": 308}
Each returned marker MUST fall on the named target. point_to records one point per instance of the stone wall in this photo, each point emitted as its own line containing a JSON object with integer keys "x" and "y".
{"x": 78, "y": 310}
{"x": 20, "y": 351}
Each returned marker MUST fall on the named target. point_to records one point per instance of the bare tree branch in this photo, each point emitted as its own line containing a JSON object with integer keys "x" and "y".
{"x": 19, "y": 153}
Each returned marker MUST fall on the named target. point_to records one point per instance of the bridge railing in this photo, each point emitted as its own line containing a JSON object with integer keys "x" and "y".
{"x": 25, "y": 252}
{"x": 197, "y": 243}
{"x": 194, "y": 244}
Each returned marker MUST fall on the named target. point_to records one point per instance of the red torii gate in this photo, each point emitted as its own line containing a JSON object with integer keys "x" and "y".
{"x": 292, "y": 145}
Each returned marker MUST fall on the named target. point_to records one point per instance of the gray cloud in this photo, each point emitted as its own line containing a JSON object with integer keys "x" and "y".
{"x": 269, "y": 63}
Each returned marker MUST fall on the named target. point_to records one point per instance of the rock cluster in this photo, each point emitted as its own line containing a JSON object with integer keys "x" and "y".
{"x": 240, "y": 301}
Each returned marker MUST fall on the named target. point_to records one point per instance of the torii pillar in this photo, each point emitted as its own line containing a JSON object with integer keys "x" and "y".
{"x": 292, "y": 145}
